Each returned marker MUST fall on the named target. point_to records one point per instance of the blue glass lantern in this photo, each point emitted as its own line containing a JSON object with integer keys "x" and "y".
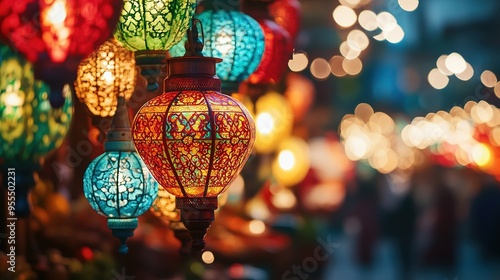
{"x": 234, "y": 37}
{"x": 117, "y": 184}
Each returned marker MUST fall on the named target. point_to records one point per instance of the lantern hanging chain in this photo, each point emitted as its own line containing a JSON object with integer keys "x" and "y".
{"x": 194, "y": 45}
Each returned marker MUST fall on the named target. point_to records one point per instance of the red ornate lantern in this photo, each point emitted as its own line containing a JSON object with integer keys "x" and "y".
{"x": 194, "y": 139}
{"x": 287, "y": 14}
{"x": 56, "y": 34}
{"x": 278, "y": 44}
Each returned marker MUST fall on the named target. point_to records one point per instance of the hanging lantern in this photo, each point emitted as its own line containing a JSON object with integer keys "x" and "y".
{"x": 117, "y": 184}
{"x": 55, "y": 35}
{"x": 286, "y": 13}
{"x": 150, "y": 28}
{"x": 194, "y": 139}
{"x": 109, "y": 70}
{"x": 278, "y": 44}
{"x": 234, "y": 37}
{"x": 30, "y": 127}
{"x": 292, "y": 162}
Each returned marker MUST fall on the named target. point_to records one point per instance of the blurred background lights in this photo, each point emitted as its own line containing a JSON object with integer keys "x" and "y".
{"x": 488, "y": 78}
{"x": 344, "y": 16}
{"x": 386, "y": 21}
{"x": 336, "y": 66}
{"x": 408, "y": 5}
{"x": 437, "y": 79}
{"x": 352, "y": 66}
{"x": 357, "y": 40}
{"x": 481, "y": 154}
{"x": 320, "y": 68}
{"x": 208, "y": 257}
{"x": 466, "y": 74}
{"x": 455, "y": 63}
{"x": 368, "y": 20}
{"x": 298, "y": 62}
{"x": 441, "y": 65}
{"x": 347, "y": 52}
{"x": 256, "y": 227}
{"x": 394, "y": 35}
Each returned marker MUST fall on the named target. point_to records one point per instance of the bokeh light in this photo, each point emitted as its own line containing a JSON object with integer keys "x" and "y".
{"x": 320, "y": 68}
{"x": 344, "y": 16}
{"x": 437, "y": 79}
{"x": 298, "y": 62}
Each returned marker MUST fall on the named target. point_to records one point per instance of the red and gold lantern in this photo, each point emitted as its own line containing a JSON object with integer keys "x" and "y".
{"x": 194, "y": 139}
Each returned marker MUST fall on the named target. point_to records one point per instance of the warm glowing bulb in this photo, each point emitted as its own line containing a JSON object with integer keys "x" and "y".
{"x": 56, "y": 14}
{"x": 264, "y": 123}
{"x": 481, "y": 154}
{"x": 286, "y": 160}
{"x": 108, "y": 77}
{"x": 224, "y": 44}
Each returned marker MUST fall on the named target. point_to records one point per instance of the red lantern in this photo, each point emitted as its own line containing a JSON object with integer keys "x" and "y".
{"x": 56, "y": 34}
{"x": 286, "y": 13}
{"x": 194, "y": 139}
{"x": 278, "y": 44}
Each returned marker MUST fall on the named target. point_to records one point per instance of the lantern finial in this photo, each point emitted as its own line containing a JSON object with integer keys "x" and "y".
{"x": 194, "y": 45}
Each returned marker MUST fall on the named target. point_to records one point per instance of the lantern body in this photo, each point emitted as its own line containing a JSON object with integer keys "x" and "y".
{"x": 164, "y": 207}
{"x": 287, "y": 14}
{"x": 152, "y": 24}
{"x": 108, "y": 71}
{"x": 234, "y": 37}
{"x": 117, "y": 184}
{"x": 194, "y": 141}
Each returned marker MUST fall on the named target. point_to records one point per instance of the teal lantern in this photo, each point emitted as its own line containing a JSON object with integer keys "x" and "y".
{"x": 30, "y": 128}
{"x": 150, "y": 28}
{"x": 234, "y": 37}
{"x": 117, "y": 184}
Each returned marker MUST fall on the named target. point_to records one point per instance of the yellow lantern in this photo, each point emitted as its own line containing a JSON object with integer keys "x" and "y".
{"x": 109, "y": 70}
{"x": 292, "y": 162}
{"x": 273, "y": 117}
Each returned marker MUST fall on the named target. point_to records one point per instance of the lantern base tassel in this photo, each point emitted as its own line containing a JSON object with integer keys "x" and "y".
{"x": 197, "y": 213}
{"x": 122, "y": 229}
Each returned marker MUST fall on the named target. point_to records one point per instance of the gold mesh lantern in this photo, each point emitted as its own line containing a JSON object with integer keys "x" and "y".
{"x": 105, "y": 73}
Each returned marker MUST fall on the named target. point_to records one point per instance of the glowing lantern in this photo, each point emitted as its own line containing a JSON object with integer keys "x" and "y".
{"x": 150, "y": 28}
{"x": 278, "y": 44}
{"x": 109, "y": 70}
{"x": 117, "y": 184}
{"x": 194, "y": 139}
{"x": 273, "y": 121}
{"x": 292, "y": 163}
{"x": 286, "y": 13}
{"x": 30, "y": 127}
{"x": 234, "y": 37}
{"x": 55, "y": 35}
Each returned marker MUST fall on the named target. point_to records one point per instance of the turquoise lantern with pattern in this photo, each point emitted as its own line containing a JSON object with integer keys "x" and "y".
{"x": 117, "y": 184}
{"x": 234, "y": 37}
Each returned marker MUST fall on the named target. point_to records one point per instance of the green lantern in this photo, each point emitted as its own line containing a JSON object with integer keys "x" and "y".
{"x": 150, "y": 28}
{"x": 30, "y": 128}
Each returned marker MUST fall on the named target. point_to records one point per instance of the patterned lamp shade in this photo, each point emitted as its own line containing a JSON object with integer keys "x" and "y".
{"x": 150, "y": 28}
{"x": 117, "y": 184}
{"x": 194, "y": 140}
{"x": 57, "y": 34}
{"x": 234, "y": 37}
{"x": 30, "y": 128}
{"x": 108, "y": 71}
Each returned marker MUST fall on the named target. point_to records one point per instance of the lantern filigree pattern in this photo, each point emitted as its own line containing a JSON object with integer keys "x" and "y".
{"x": 108, "y": 71}
{"x": 197, "y": 141}
{"x": 234, "y": 37}
{"x": 120, "y": 185}
{"x": 153, "y": 24}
